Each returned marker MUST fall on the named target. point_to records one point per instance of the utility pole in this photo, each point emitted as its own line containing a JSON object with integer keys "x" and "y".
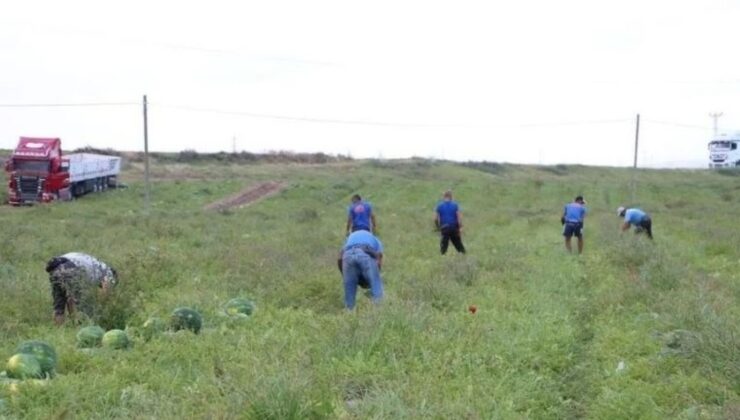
{"x": 715, "y": 116}
{"x": 146, "y": 154}
{"x": 637, "y": 138}
{"x": 634, "y": 163}
{"x": 233, "y": 144}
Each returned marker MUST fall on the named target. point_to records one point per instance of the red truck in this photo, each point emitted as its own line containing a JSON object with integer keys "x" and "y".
{"x": 39, "y": 172}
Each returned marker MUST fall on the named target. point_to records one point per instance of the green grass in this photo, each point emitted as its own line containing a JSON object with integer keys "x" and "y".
{"x": 550, "y": 331}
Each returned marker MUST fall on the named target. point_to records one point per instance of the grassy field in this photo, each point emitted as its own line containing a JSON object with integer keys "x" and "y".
{"x": 630, "y": 329}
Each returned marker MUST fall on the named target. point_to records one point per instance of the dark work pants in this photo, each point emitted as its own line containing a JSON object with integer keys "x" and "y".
{"x": 647, "y": 225}
{"x": 451, "y": 234}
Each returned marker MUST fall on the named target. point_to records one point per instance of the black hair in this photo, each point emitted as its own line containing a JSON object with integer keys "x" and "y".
{"x": 54, "y": 263}
{"x": 356, "y": 197}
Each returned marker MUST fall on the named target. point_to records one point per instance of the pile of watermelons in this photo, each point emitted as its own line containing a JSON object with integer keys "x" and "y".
{"x": 36, "y": 359}
{"x": 32, "y": 360}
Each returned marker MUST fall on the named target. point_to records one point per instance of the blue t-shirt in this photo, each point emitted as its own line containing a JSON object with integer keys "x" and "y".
{"x": 363, "y": 237}
{"x": 447, "y": 211}
{"x": 360, "y": 213}
{"x": 574, "y": 212}
{"x": 634, "y": 216}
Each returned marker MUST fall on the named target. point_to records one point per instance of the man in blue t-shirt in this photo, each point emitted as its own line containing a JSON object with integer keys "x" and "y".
{"x": 361, "y": 259}
{"x": 360, "y": 216}
{"x": 572, "y": 221}
{"x": 637, "y": 218}
{"x": 448, "y": 220}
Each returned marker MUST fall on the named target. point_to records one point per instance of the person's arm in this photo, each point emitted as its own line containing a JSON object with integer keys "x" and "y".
{"x": 372, "y": 220}
{"x": 339, "y": 260}
{"x": 625, "y": 226}
{"x": 436, "y": 220}
{"x": 562, "y": 217}
{"x": 349, "y": 223}
{"x": 71, "y": 307}
{"x": 459, "y": 220}
{"x": 380, "y": 261}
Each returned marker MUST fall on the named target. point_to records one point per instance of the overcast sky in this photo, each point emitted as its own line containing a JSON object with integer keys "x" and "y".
{"x": 531, "y": 81}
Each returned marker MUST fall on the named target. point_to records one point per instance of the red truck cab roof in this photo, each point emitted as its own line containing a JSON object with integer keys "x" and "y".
{"x": 34, "y": 148}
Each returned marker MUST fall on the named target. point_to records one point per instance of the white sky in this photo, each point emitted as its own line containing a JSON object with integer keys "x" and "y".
{"x": 500, "y": 81}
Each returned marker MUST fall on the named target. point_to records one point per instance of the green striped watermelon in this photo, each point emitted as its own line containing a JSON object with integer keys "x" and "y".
{"x": 43, "y": 352}
{"x": 239, "y": 306}
{"x": 186, "y": 319}
{"x": 89, "y": 337}
{"x": 23, "y": 366}
{"x": 115, "y": 339}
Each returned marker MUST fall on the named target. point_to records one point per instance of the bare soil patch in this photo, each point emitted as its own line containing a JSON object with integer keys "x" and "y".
{"x": 247, "y": 196}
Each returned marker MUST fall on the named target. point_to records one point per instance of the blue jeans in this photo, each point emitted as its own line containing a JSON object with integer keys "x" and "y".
{"x": 356, "y": 262}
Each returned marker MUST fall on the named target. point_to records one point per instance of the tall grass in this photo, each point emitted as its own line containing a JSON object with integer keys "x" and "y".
{"x": 630, "y": 329}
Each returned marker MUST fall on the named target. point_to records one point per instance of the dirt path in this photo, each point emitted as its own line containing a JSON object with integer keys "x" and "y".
{"x": 247, "y": 196}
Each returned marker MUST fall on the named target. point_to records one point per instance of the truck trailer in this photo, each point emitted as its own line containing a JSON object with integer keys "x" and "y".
{"x": 38, "y": 171}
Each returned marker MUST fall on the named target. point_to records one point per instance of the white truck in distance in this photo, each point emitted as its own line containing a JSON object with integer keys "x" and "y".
{"x": 724, "y": 151}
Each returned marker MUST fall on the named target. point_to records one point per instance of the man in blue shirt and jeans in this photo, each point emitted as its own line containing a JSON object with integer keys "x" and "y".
{"x": 361, "y": 261}
{"x": 448, "y": 220}
{"x": 360, "y": 216}
{"x": 637, "y": 218}
{"x": 572, "y": 221}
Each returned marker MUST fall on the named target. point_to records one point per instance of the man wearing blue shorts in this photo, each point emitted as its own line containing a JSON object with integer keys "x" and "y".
{"x": 637, "y": 218}
{"x": 361, "y": 261}
{"x": 572, "y": 221}
{"x": 360, "y": 216}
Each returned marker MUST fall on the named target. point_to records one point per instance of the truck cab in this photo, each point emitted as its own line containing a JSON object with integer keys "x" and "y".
{"x": 37, "y": 171}
{"x": 724, "y": 151}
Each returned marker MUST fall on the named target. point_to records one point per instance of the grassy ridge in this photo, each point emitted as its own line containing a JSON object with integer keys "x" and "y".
{"x": 547, "y": 340}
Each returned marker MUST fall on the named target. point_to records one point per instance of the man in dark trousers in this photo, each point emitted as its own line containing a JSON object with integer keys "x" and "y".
{"x": 448, "y": 220}
{"x": 361, "y": 259}
{"x": 360, "y": 216}
{"x": 73, "y": 276}
{"x": 572, "y": 221}
{"x": 637, "y": 218}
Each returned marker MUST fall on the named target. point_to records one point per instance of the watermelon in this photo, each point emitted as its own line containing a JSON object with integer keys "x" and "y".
{"x": 43, "y": 352}
{"x": 89, "y": 337}
{"x": 239, "y": 306}
{"x": 23, "y": 366}
{"x": 186, "y": 319}
{"x": 152, "y": 327}
{"x": 115, "y": 339}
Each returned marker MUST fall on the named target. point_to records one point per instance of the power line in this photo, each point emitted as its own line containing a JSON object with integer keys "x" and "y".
{"x": 343, "y": 121}
{"x": 302, "y": 119}
{"x": 61, "y": 105}
{"x": 680, "y": 125}
{"x": 381, "y": 123}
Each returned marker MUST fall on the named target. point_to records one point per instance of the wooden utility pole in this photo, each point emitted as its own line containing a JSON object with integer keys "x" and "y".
{"x": 715, "y": 116}
{"x": 634, "y": 163}
{"x": 146, "y": 154}
{"x": 637, "y": 138}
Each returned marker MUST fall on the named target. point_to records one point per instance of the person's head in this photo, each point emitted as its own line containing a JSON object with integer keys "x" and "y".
{"x": 579, "y": 199}
{"x": 55, "y": 262}
{"x": 620, "y": 211}
{"x": 447, "y": 195}
{"x": 356, "y": 198}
